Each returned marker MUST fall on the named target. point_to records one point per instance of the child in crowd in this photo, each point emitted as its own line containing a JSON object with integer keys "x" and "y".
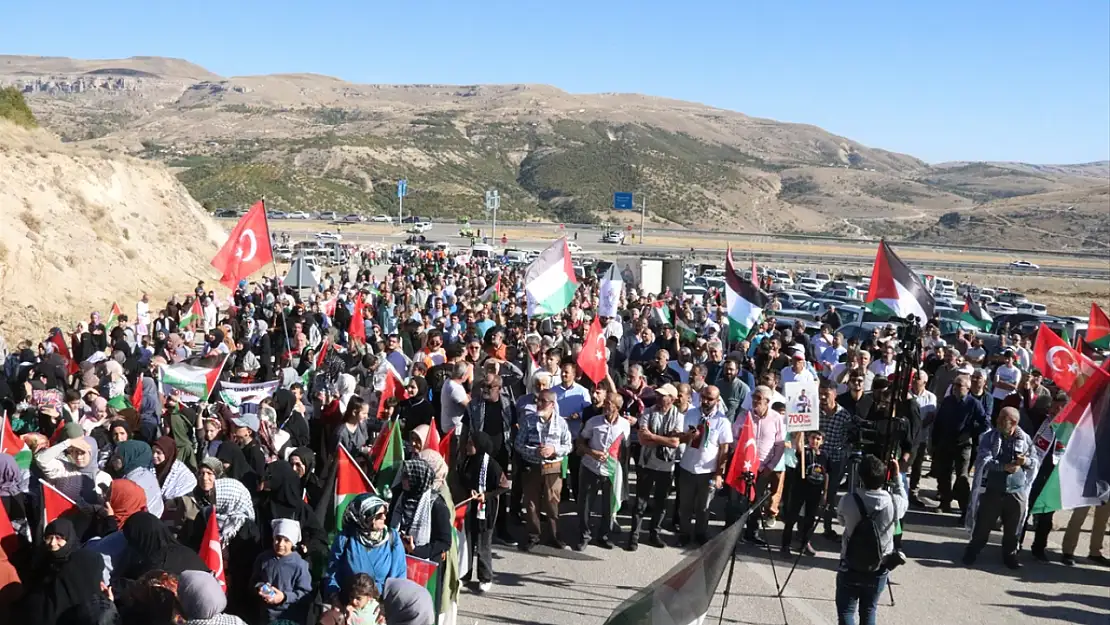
{"x": 282, "y": 577}
{"x": 809, "y": 492}
{"x": 360, "y": 603}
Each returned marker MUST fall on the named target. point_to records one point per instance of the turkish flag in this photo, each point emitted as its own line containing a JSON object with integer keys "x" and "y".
{"x": 393, "y": 388}
{"x": 444, "y": 446}
{"x": 137, "y": 395}
{"x": 247, "y": 248}
{"x": 745, "y": 459}
{"x": 54, "y": 504}
{"x": 357, "y": 328}
{"x": 1067, "y": 368}
{"x": 432, "y": 442}
{"x": 591, "y": 360}
{"x": 211, "y": 551}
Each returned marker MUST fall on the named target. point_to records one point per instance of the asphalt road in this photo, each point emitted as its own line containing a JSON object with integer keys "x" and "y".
{"x": 570, "y": 588}
{"x": 539, "y": 236}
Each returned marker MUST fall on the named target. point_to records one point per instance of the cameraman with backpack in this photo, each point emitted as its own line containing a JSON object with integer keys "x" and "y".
{"x": 867, "y": 553}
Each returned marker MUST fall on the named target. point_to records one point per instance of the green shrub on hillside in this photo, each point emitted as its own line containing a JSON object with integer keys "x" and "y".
{"x": 14, "y": 108}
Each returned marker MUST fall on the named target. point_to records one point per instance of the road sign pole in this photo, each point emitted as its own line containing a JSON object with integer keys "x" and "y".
{"x": 643, "y": 213}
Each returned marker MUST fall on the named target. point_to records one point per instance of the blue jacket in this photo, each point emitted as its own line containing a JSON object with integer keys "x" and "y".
{"x": 349, "y": 556}
{"x": 290, "y": 575}
{"x": 958, "y": 421}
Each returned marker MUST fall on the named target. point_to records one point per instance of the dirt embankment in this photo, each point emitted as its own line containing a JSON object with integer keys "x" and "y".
{"x": 80, "y": 229}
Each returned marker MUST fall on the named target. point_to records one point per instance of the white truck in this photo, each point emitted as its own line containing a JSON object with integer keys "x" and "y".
{"x": 652, "y": 275}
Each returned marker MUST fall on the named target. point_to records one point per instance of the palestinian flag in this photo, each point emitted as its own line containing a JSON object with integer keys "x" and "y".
{"x": 54, "y": 503}
{"x": 686, "y": 332}
{"x": 1082, "y": 475}
{"x": 1098, "y": 328}
{"x": 113, "y": 317}
{"x": 493, "y": 293}
{"x": 974, "y": 314}
{"x": 683, "y": 595}
{"x": 743, "y": 300}
{"x": 549, "y": 283}
{"x": 10, "y": 543}
{"x": 460, "y": 534}
{"x": 425, "y": 573}
{"x": 14, "y": 446}
{"x": 193, "y": 383}
{"x": 660, "y": 313}
{"x": 350, "y": 482}
{"x": 387, "y": 454}
{"x": 896, "y": 291}
{"x": 616, "y": 476}
{"x": 192, "y": 317}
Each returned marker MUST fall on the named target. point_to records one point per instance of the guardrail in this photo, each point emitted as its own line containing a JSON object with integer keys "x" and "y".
{"x": 815, "y": 238}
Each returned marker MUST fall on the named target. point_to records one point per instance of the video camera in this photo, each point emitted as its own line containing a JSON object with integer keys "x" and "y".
{"x": 882, "y": 431}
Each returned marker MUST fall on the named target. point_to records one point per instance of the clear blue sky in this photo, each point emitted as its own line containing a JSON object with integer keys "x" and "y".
{"x": 942, "y": 80}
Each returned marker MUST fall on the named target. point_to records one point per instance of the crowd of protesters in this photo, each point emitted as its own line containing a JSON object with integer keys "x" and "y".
{"x": 147, "y": 467}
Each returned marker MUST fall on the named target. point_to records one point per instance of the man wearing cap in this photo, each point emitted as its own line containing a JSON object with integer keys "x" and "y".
{"x": 797, "y": 371}
{"x": 244, "y": 433}
{"x": 658, "y": 436}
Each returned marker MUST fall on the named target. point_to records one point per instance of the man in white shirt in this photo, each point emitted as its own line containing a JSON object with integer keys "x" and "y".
{"x": 885, "y": 366}
{"x": 702, "y": 468}
{"x": 453, "y": 401}
{"x": 1006, "y": 379}
{"x": 142, "y": 314}
{"x": 797, "y": 371}
{"x": 599, "y": 445}
{"x": 927, "y": 404}
{"x": 831, "y": 356}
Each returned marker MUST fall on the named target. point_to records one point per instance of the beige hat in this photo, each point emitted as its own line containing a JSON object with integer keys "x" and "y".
{"x": 667, "y": 389}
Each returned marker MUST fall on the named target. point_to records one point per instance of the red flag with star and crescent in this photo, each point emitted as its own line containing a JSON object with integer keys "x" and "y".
{"x": 247, "y": 249}
{"x": 745, "y": 459}
{"x": 211, "y": 551}
{"x": 591, "y": 360}
{"x": 1067, "y": 368}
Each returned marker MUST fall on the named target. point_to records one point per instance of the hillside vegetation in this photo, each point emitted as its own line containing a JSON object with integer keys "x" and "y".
{"x": 317, "y": 143}
{"x": 13, "y": 107}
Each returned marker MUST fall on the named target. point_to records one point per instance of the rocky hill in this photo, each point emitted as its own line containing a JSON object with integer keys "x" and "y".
{"x": 312, "y": 142}
{"x": 80, "y": 229}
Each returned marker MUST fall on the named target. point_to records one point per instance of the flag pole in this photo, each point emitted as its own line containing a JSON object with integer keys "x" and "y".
{"x": 273, "y": 260}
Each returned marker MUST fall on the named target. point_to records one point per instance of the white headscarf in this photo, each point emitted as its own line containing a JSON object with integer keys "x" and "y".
{"x": 346, "y": 386}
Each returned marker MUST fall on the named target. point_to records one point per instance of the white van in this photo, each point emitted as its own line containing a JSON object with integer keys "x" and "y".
{"x": 516, "y": 256}
{"x": 944, "y": 287}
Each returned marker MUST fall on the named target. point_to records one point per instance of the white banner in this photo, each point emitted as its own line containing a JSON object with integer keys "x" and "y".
{"x": 235, "y": 395}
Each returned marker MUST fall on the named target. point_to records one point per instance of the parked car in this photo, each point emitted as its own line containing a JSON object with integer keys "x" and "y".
{"x": 382, "y": 219}
{"x": 613, "y": 236}
{"x": 420, "y": 228}
{"x": 276, "y": 215}
{"x": 809, "y": 285}
{"x": 329, "y": 216}
{"x": 413, "y": 219}
{"x": 298, "y": 215}
{"x": 329, "y": 236}
{"x": 1000, "y": 308}
{"x": 574, "y": 248}
{"x": 354, "y": 218}
{"x": 1023, "y": 264}
{"x": 227, "y": 213}
{"x": 1013, "y": 298}
{"x": 1032, "y": 308}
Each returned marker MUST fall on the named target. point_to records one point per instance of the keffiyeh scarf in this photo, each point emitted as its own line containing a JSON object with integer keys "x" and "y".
{"x": 180, "y": 481}
{"x": 233, "y": 507}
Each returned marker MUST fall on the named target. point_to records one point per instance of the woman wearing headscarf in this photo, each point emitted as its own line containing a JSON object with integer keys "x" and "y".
{"x": 354, "y": 432}
{"x": 181, "y": 421}
{"x": 236, "y": 466}
{"x": 416, "y": 410}
{"x": 151, "y": 547}
{"x": 481, "y": 474}
{"x": 285, "y": 500}
{"x": 366, "y": 544}
{"x": 419, "y": 513}
{"x": 77, "y": 582}
{"x": 404, "y": 602}
{"x": 175, "y": 479}
{"x": 150, "y": 410}
{"x": 303, "y": 461}
{"x": 70, "y": 465}
{"x": 452, "y": 586}
{"x": 213, "y": 432}
{"x": 289, "y": 420}
{"x": 13, "y": 493}
{"x": 133, "y": 461}
{"x": 59, "y": 541}
{"x": 203, "y": 601}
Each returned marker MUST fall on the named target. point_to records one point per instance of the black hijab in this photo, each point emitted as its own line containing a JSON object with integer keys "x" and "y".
{"x": 283, "y": 402}
{"x": 77, "y": 582}
{"x": 153, "y": 547}
{"x": 285, "y": 491}
{"x": 229, "y": 453}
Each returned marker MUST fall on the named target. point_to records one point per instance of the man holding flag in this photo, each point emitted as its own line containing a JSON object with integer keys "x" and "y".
{"x": 599, "y": 444}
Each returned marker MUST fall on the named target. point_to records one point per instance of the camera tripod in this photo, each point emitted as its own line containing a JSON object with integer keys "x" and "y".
{"x": 853, "y": 481}
{"x": 753, "y": 507}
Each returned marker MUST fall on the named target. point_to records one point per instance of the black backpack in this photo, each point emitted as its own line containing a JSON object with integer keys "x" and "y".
{"x": 865, "y": 550}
